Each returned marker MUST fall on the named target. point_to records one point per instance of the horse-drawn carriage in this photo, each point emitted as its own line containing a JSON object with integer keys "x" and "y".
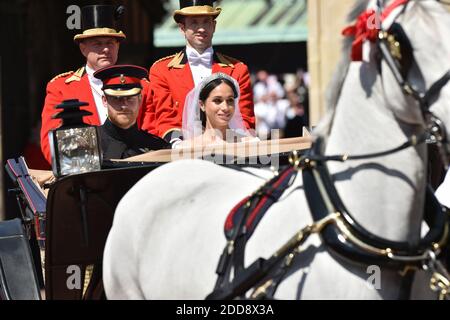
{"x": 311, "y": 229}
{"x": 62, "y": 234}
{"x": 356, "y": 203}
{"x": 62, "y": 231}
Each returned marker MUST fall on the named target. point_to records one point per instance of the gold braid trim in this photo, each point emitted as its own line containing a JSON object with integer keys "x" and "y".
{"x": 61, "y": 75}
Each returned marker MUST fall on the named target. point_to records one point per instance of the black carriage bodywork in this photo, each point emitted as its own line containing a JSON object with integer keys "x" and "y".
{"x": 20, "y": 265}
{"x": 18, "y": 275}
{"x": 76, "y": 238}
{"x": 76, "y": 217}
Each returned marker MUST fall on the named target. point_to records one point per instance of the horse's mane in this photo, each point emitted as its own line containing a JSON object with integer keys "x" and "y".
{"x": 333, "y": 90}
{"x": 334, "y": 87}
{"x": 337, "y": 80}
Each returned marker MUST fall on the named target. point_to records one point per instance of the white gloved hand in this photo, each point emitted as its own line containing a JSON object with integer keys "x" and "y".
{"x": 176, "y": 143}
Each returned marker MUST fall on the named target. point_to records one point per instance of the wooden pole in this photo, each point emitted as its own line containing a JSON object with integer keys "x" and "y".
{"x": 326, "y": 19}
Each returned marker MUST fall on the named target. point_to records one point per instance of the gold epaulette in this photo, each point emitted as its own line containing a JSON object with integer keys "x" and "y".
{"x": 225, "y": 60}
{"x": 61, "y": 75}
{"x": 176, "y": 61}
{"x": 165, "y": 58}
{"x": 76, "y": 76}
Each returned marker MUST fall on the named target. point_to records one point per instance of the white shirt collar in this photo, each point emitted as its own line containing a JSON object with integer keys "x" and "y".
{"x": 90, "y": 73}
{"x": 209, "y": 51}
{"x": 96, "y": 87}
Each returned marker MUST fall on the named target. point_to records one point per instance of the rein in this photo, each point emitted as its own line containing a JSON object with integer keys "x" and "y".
{"x": 340, "y": 231}
{"x": 328, "y": 211}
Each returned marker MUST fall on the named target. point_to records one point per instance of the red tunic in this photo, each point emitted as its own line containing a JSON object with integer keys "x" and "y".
{"x": 73, "y": 85}
{"x": 171, "y": 80}
{"x": 70, "y": 85}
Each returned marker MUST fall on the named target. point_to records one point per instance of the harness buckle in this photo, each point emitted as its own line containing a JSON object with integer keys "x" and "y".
{"x": 435, "y": 129}
{"x": 440, "y": 279}
{"x": 440, "y": 284}
{"x": 295, "y": 160}
{"x": 437, "y": 135}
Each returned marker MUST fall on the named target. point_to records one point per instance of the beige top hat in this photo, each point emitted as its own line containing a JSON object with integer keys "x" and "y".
{"x": 196, "y": 8}
{"x": 100, "y": 21}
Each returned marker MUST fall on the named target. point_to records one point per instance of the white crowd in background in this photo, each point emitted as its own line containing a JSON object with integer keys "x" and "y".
{"x": 280, "y": 106}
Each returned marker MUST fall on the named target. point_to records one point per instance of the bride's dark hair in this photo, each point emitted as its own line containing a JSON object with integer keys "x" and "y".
{"x": 205, "y": 92}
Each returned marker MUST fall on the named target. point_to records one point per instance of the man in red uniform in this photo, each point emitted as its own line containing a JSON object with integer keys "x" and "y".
{"x": 172, "y": 78}
{"x": 99, "y": 43}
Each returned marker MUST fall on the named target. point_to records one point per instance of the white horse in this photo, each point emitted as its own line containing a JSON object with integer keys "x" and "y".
{"x": 167, "y": 234}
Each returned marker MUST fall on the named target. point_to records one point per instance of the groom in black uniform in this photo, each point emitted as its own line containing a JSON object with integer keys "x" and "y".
{"x": 120, "y": 137}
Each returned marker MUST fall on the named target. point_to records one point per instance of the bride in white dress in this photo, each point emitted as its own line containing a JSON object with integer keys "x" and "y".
{"x": 211, "y": 113}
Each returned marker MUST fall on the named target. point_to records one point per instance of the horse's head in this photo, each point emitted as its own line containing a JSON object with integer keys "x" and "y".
{"x": 415, "y": 45}
{"x": 420, "y": 55}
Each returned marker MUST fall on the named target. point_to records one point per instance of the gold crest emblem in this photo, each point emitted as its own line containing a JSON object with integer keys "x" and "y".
{"x": 122, "y": 79}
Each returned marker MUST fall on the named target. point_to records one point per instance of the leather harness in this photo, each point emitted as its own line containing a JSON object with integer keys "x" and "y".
{"x": 340, "y": 232}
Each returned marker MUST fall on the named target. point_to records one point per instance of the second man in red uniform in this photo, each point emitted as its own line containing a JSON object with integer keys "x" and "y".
{"x": 99, "y": 43}
{"x": 172, "y": 78}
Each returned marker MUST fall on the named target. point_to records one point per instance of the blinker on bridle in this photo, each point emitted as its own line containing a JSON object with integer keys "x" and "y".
{"x": 319, "y": 179}
{"x": 390, "y": 48}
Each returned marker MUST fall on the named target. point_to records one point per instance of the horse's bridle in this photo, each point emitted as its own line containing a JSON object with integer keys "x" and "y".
{"x": 339, "y": 230}
{"x": 390, "y": 44}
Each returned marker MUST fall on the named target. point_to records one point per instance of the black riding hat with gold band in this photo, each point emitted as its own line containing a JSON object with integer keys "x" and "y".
{"x": 196, "y": 8}
{"x": 100, "y": 21}
{"x": 121, "y": 80}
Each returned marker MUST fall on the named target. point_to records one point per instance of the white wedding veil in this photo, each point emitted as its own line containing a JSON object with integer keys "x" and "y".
{"x": 192, "y": 124}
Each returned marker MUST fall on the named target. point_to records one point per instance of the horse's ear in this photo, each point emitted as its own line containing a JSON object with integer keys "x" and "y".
{"x": 401, "y": 48}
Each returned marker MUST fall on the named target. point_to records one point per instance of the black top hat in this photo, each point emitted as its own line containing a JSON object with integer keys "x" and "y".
{"x": 196, "y": 8}
{"x": 192, "y": 3}
{"x": 100, "y": 21}
{"x": 121, "y": 80}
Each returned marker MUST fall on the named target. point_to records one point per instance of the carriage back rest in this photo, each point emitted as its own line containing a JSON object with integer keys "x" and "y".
{"x": 80, "y": 212}
{"x": 18, "y": 277}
